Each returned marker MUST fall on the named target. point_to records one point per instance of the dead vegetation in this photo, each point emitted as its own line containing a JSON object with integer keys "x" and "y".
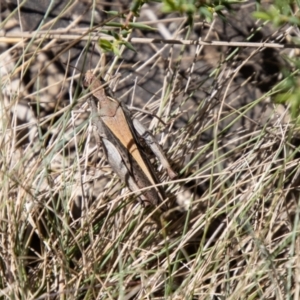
{"x": 71, "y": 230}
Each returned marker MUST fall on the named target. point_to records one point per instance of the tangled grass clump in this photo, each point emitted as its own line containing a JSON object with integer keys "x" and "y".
{"x": 70, "y": 228}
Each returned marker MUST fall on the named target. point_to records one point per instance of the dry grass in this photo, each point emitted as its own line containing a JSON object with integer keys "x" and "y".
{"x": 71, "y": 230}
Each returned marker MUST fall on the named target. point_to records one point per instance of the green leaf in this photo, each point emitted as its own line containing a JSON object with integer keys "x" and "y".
{"x": 219, "y": 7}
{"x": 124, "y": 33}
{"x": 169, "y": 6}
{"x": 114, "y": 24}
{"x": 282, "y": 98}
{"x": 261, "y": 15}
{"x": 188, "y": 8}
{"x": 115, "y": 35}
{"x": 112, "y": 12}
{"x": 136, "y": 6}
{"x": 141, "y": 26}
{"x": 128, "y": 45}
{"x": 294, "y": 20}
{"x": 105, "y": 45}
{"x": 204, "y": 11}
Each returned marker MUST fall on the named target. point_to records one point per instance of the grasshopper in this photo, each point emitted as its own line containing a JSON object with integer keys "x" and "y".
{"x": 120, "y": 136}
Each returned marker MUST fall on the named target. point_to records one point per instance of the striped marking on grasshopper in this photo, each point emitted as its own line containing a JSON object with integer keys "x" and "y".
{"x": 114, "y": 118}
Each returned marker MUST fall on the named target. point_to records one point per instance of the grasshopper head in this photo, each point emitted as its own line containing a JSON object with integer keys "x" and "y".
{"x": 88, "y": 79}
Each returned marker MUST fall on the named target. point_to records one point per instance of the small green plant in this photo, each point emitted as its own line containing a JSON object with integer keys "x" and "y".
{"x": 281, "y": 13}
{"x": 204, "y": 8}
{"x": 289, "y": 92}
